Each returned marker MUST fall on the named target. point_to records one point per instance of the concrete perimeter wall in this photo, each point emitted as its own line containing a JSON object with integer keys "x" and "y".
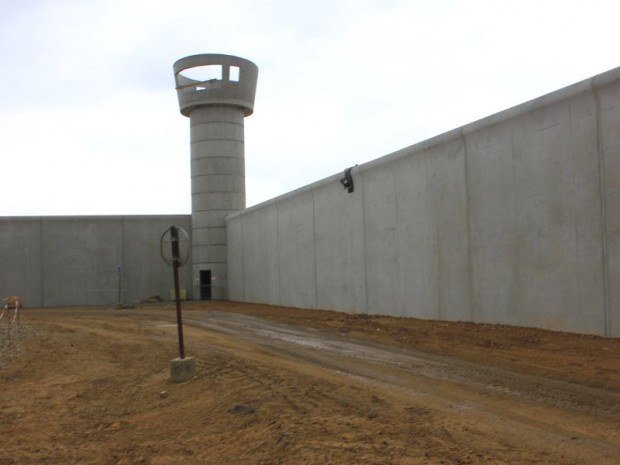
{"x": 58, "y": 261}
{"x": 513, "y": 219}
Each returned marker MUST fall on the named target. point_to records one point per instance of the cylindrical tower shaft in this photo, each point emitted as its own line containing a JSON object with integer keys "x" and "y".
{"x": 216, "y": 104}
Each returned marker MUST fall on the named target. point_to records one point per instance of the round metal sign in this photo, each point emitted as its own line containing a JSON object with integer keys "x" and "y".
{"x": 174, "y": 246}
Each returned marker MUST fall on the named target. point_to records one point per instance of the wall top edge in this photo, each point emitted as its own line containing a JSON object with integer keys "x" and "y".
{"x": 91, "y": 217}
{"x": 564, "y": 93}
{"x": 572, "y": 90}
{"x": 307, "y": 188}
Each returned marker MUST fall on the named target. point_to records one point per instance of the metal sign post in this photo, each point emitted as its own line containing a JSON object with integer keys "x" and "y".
{"x": 174, "y": 246}
{"x": 174, "y": 233}
{"x": 175, "y": 251}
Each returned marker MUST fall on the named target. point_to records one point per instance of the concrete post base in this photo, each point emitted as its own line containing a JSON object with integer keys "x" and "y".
{"x": 182, "y": 369}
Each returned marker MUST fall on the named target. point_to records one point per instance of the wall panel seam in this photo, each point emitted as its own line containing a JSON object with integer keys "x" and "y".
{"x": 470, "y": 279}
{"x": 603, "y": 207}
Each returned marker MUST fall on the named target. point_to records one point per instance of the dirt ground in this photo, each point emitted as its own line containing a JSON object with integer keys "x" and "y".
{"x": 275, "y": 385}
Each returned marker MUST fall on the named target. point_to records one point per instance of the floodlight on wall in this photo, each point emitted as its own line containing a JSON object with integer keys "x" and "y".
{"x": 347, "y": 180}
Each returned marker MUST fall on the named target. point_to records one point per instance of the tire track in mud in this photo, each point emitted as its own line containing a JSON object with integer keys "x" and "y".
{"x": 480, "y": 398}
{"x": 297, "y": 403}
{"x": 227, "y": 367}
{"x": 367, "y": 361}
{"x": 395, "y": 368}
{"x": 336, "y": 353}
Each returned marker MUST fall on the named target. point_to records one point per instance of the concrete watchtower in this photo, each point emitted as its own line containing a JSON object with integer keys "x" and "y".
{"x": 216, "y": 92}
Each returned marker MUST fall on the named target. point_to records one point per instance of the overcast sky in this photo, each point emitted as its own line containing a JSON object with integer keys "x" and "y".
{"x": 89, "y": 120}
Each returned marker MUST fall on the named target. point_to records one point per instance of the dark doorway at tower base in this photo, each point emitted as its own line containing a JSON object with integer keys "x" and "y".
{"x": 205, "y": 284}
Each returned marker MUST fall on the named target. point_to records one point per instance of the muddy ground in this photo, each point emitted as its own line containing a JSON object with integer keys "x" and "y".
{"x": 286, "y": 386}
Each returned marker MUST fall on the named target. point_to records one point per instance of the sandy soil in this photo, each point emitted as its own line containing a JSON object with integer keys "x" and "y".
{"x": 288, "y": 386}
